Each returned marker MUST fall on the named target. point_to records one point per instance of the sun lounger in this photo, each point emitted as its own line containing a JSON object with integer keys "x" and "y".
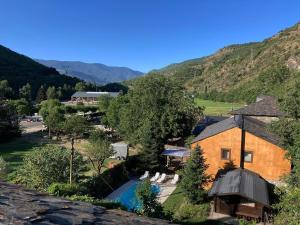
{"x": 145, "y": 175}
{"x": 175, "y": 179}
{"x": 155, "y": 177}
{"x": 162, "y": 178}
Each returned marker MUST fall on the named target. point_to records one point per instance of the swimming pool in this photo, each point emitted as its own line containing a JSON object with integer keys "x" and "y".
{"x": 127, "y": 197}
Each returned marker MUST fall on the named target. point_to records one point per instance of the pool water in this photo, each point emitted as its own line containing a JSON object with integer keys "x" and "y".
{"x": 128, "y": 197}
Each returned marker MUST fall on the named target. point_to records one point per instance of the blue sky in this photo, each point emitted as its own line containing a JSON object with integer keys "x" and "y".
{"x": 140, "y": 34}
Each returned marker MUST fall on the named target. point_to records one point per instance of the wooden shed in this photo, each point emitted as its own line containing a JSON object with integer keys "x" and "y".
{"x": 241, "y": 193}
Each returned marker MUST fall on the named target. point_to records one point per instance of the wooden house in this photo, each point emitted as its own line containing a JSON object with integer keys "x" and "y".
{"x": 244, "y": 141}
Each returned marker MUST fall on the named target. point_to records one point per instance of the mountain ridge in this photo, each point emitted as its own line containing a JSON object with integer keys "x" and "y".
{"x": 242, "y": 69}
{"x": 92, "y": 72}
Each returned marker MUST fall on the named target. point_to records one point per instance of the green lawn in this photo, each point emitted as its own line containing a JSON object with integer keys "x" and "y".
{"x": 14, "y": 151}
{"x": 217, "y": 108}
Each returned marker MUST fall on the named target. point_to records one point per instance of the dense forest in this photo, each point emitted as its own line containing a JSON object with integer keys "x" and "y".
{"x": 19, "y": 70}
{"x": 243, "y": 71}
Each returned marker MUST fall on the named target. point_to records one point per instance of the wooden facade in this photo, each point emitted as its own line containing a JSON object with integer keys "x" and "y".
{"x": 240, "y": 207}
{"x": 268, "y": 159}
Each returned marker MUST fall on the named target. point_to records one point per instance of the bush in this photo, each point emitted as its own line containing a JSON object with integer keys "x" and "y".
{"x": 188, "y": 211}
{"x": 288, "y": 207}
{"x": 60, "y": 189}
{"x": 246, "y": 222}
{"x": 101, "y": 185}
{"x": 148, "y": 199}
{"x": 49, "y": 164}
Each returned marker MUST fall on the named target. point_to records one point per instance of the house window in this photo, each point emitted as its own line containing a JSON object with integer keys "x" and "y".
{"x": 225, "y": 154}
{"x": 248, "y": 156}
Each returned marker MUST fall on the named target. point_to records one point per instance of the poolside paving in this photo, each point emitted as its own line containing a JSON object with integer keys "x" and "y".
{"x": 166, "y": 190}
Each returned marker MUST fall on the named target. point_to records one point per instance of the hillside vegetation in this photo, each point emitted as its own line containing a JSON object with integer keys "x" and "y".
{"x": 241, "y": 72}
{"x": 18, "y": 70}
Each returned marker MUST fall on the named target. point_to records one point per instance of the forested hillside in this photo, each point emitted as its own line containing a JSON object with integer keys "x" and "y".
{"x": 19, "y": 70}
{"x": 241, "y": 72}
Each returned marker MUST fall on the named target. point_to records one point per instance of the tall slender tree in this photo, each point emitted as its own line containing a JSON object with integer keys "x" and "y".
{"x": 74, "y": 127}
{"x": 41, "y": 94}
{"x": 194, "y": 177}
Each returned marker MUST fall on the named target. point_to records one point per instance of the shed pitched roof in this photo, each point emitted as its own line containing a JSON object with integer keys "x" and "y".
{"x": 251, "y": 125}
{"x": 264, "y": 106}
{"x": 244, "y": 183}
{"x": 90, "y": 94}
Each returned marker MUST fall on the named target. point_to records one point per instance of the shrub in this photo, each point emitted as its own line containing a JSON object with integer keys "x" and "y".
{"x": 48, "y": 164}
{"x": 189, "y": 211}
{"x": 148, "y": 200}
{"x": 246, "y": 222}
{"x": 60, "y": 189}
{"x": 288, "y": 207}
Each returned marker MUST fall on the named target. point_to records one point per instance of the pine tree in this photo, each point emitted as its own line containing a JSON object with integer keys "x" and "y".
{"x": 41, "y": 95}
{"x": 152, "y": 148}
{"x": 194, "y": 178}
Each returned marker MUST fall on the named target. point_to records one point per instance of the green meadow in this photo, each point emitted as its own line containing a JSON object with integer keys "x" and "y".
{"x": 218, "y": 108}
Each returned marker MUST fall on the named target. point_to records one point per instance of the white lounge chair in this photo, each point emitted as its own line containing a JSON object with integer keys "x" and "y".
{"x": 175, "y": 179}
{"x": 145, "y": 175}
{"x": 162, "y": 178}
{"x": 155, "y": 177}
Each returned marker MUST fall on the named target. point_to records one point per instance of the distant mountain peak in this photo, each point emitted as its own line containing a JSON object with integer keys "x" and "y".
{"x": 92, "y": 72}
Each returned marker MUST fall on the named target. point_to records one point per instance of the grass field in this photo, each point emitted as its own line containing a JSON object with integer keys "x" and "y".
{"x": 217, "y": 108}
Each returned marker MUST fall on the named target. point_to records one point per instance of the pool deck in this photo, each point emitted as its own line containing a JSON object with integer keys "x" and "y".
{"x": 166, "y": 190}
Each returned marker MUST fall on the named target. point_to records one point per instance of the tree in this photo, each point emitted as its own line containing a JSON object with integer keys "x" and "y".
{"x": 41, "y": 95}
{"x": 25, "y": 92}
{"x": 288, "y": 129}
{"x": 103, "y": 102}
{"x": 81, "y": 86}
{"x": 5, "y": 90}
{"x": 51, "y": 93}
{"x": 152, "y": 147}
{"x": 99, "y": 149}
{"x": 194, "y": 178}
{"x": 148, "y": 199}
{"x": 158, "y": 99}
{"x": 173, "y": 110}
{"x": 9, "y": 122}
{"x": 288, "y": 207}
{"x": 22, "y": 106}
{"x": 74, "y": 127}
{"x": 48, "y": 164}
{"x": 52, "y": 112}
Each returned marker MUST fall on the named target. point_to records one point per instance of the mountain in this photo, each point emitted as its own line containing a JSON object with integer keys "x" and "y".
{"x": 92, "y": 72}
{"x": 18, "y": 70}
{"x": 243, "y": 71}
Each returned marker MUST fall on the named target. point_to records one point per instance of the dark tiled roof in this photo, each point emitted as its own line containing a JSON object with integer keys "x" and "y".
{"x": 251, "y": 125}
{"x": 22, "y": 206}
{"x": 244, "y": 183}
{"x": 87, "y": 94}
{"x": 265, "y": 106}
